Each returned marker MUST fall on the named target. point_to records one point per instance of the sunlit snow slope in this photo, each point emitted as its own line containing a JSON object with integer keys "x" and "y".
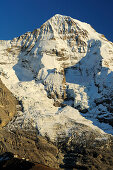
{"x": 60, "y": 72}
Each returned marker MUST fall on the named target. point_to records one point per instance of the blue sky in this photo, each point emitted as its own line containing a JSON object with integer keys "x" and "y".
{"x": 20, "y": 16}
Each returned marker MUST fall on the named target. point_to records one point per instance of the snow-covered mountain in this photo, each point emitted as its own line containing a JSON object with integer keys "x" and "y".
{"x": 63, "y": 75}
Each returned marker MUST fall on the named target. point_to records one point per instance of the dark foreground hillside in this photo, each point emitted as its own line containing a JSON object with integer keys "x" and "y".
{"x": 15, "y": 163}
{"x": 26, "y": 150}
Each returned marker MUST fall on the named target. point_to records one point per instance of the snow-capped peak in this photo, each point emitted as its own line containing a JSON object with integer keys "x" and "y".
{"x": 64, "y": 62}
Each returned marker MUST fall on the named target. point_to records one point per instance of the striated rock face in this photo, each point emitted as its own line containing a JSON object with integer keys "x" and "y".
{"x": 8, "y": 105}
{"x": 63, "y": 75}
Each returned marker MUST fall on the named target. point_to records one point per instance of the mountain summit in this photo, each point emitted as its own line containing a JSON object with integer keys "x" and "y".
{"x": 64, "y": 68}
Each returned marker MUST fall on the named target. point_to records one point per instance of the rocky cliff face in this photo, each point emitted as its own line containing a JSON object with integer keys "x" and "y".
{"x": 88, "y": 150}
{"x": 8, "y": 105}
{"x": 63, "y": 75}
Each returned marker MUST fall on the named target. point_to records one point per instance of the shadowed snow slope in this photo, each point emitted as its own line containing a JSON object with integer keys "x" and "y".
{"x": 61, "y": 72}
